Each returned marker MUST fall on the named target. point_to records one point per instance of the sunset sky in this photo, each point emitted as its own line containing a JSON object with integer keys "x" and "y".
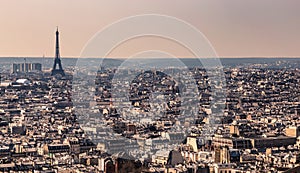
{"x": 235, "y": 28}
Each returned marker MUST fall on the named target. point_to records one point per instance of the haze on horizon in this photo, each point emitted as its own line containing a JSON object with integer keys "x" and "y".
{"x": 249, "y": 28}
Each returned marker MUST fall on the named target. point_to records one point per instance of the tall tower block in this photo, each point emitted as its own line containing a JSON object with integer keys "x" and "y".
{"x": 57, "y": 61}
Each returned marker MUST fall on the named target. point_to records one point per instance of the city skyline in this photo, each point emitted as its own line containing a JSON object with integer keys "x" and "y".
{"x": 235, "y": 29}
{"x": 140, "y": 86}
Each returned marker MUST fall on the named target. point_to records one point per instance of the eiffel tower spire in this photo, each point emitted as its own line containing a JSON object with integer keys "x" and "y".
{"x": 57, "y": 61}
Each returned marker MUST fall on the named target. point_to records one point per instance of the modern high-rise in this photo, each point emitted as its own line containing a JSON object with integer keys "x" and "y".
{"x": 26, "y": 67}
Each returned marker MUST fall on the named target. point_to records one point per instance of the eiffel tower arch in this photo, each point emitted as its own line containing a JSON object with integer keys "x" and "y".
{"x": 57, "y": 61}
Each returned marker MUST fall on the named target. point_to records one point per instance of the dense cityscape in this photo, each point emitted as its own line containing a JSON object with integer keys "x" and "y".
{"x": 258, "y": 131}
{"x": 150, "y": 87}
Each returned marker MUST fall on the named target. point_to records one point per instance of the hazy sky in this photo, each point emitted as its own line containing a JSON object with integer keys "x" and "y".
{"x": 247, "y": 28}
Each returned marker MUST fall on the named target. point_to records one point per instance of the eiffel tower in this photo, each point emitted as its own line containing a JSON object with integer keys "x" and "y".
{"x": 57, "y": 61}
